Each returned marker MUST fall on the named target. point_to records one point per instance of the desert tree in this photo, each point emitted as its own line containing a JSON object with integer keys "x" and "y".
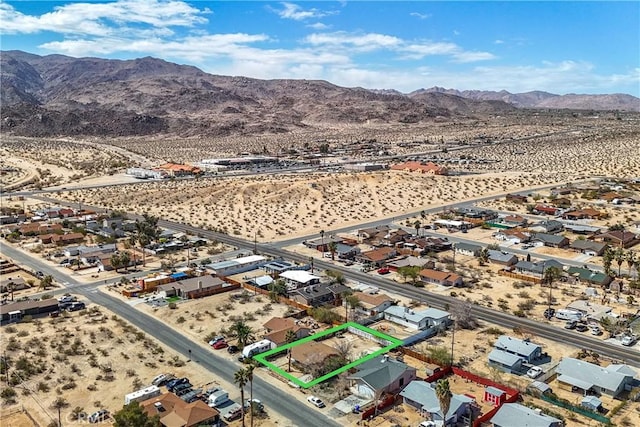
{"x": 444, "y": 395}
{"x": 242, "y": 331}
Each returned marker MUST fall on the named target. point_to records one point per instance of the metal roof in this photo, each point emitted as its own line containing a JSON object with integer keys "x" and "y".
{"x": 514, "y": 414}
{"x": 516, "y": 346}
{"x": 581, "y": 373}
{"x": 503, "y": 358}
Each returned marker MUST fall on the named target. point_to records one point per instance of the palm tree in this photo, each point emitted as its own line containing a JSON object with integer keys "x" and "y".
{"x": 631, "y": 260}
{"x": 125, "y": 259}
{"x": 443, "y": 393}
{"x": 607, "y": 259}
{"x": 322, "y": 238}
{"x": 550, "y": 276}
{"x": 240, "y": 378}
{"x": 619, "y": 257}
{"x": 289, "y": 338}
{"x": 333, "y": 248}
{"x": 243, "y": 332}
{"x": 116, "y": 261}
{"x": 249, "y": 370}
{"x": 59, "y": 404}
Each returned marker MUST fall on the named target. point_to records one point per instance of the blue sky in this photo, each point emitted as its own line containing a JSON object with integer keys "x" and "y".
{"x": 560, "y": 47}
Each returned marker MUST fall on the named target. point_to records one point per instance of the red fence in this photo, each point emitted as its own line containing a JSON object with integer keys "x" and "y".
{"x": 388, "y": 401}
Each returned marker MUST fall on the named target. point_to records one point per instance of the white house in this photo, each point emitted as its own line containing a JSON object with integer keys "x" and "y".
{"x": 417, "y": 320}
{"x": 299, "y": 278}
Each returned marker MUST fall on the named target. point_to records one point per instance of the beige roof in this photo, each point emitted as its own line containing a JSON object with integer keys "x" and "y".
{"x": 177, "y": 412}
{"x": 373, "y": 300}
{"x": 279, "y": 323}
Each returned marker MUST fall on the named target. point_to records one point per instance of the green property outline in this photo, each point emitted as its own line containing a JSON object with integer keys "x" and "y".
{"x": 395, "y": 342}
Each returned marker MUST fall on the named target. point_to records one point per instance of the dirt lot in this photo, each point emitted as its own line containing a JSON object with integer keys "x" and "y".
{"x": 90, "y": 357}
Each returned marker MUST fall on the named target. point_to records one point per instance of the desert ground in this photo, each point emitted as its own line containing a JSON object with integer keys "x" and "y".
{"x": 283, "y": 206}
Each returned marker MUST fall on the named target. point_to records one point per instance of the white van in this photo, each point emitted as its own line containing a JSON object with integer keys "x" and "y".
{"x": 217, "y": 398}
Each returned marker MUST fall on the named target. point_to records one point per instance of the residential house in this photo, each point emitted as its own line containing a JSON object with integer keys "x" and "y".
{"x": 586, "y": 213}
{"x": 549, "y": 227}
{"x": 195, "y": 287}
{"x": 62, "y": 239}
{"x": 312, "y": 353}
{"x": 423, "y": 245}
{"x": 422, "y": 396}
{"x": 429, "y": 168}
{"x": 467, "y": 249}
{"x": 502, "y": 258}
{"x": 410, "y": 261}
{"x": 536, "y": 268}
{"x": 561, "y": 202}
{"x": 175, "y": 412}
{"x": 373, "y": 304}
{"x": 514, "y": 220}
{"x": 365, "y": 235}
{"x": 321, "y": 244}
{"x": 551, "y": 240}
{"x": 295, "y": 279}
{"x": 417, "y": 320}
{"x": 376, "y": 257}
{"x": 507, "y": 362}
{"x": 525, "y": 349}
{"x": 515, "y": 236}
{"x": 590, "y": 311}
{"x": 35, "y": 229}
{"x": 277, "y": 329}
{"x": 15, "y": 311}
{"x": 624, "y": 239}
{"x": 545, "y": 210}
{"x": 380, "y": 375}
{"x": 390, "y": 238}
{"x": 344, "y": 251}
{"x": 589, "y": 276}
{"x": 277, "y": 267}
{"x": 593, "y": 379}
{"x": 514, "y": 414}
{"x": 582, "y": 228}
{"x": 13, "y": 283}
{"x": 443, "y": 278}
{"x": 517, "y": 198}
{"x": 588, "y": 247}
{"x": 83, "y": 251}
{"x": 238, "y": 265}
{"x": 320, "y": 294}
{"x": 450, "y": 224}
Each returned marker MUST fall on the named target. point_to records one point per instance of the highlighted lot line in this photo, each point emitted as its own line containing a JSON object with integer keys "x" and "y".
{"x": 391, "y": 342}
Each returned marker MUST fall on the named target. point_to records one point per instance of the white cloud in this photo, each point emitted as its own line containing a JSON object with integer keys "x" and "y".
{"x": 297, "y": 13}
{"x": 319, "y": 26}
{"x": 468, "y": 56}
{"x": 498, "y": 41}
{"x": 420, "y": 15}
{"x": 102, "y": 19}
{"x": 368, "y": 42}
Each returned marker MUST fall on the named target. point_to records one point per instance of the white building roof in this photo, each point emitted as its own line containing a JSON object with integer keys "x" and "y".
{"x": 299, "y": 276}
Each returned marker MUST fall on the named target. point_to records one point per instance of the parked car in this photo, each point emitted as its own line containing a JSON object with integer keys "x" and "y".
{"x": 316, "y": 401}
{"x": 216, "y": 339}
{"x": 99, "y": 416}
{"x": 384, "y": 270}
{"x": 628, "y": 340}
{"x": 66, "y": 299}
{"x": 180, "y": 387}
{"x": 233, "y": 349}
{"x": 76, "y": 306}
{"x": 581, "y": 327}
{"x": 534, "y": 372}
{"x": 233, "y": 414}
{"x": 549, "y": 313}
{"x": 174, "y": 382}
{"x": 256, "y": 404}
{"x": 220, "y": 344}
{"x": 595, "y": 330}
{"x": 571, "y": 324}
{"x": 162, "y": 379}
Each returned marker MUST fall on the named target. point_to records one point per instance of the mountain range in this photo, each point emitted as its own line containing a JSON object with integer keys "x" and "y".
{"x": 59, "y": 95}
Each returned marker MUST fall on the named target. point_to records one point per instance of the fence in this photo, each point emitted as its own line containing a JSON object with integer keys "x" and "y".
{"x": 388, "y": 401}
{"x": 576, "y": 409}
{"x": 284, "y": 300}
{"x": 368, "y": 336}
{"x": 531, "y": 279}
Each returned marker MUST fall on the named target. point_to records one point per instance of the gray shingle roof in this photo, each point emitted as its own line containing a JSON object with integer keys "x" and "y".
{"x": 516, "y": 346}
{"x": 577, "y": 372}
{"x": 424, "y": 394}
{"x": 503, "y": 358}
{"x": 500, "y": 256}
{"x": 514, "y": 414}
{"x": 380, "y": 372}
